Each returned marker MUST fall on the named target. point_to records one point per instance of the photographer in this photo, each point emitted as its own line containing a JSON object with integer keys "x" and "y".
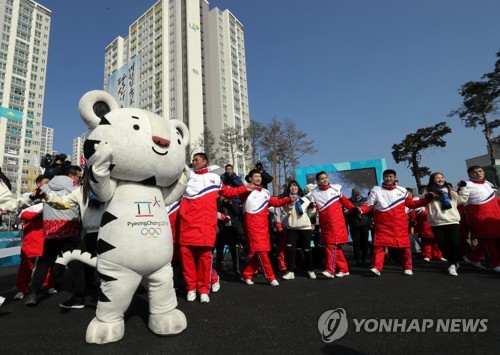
{"x": 53, "y": 163}
{"x": 266, "y": 177}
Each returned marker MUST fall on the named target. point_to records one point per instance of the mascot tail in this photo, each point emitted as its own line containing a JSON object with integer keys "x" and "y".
{"x": 73, "y": 255}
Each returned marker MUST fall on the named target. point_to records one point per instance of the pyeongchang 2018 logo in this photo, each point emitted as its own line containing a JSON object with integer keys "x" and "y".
{"x": 333, "y": 325}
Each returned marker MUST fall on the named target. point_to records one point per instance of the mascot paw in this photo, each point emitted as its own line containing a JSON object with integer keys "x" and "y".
{"x": 101, "y": 333}
{"x": 170, "y": 323}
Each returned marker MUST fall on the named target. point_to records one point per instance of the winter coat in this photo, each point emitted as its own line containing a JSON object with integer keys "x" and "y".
{"x": 482, "y": 209}
{"x": 60, "y": 223}
{"x": 390, "y": 219}
{"x": 330, "y": 203}
{"x": 256, "y": 217}
{"x": 32, "y": 244}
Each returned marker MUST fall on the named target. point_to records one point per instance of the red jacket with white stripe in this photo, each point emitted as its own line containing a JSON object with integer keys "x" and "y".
{"x": 198, "y": 209}
{"x": 330, "y": 203}
{"x": 390, "y": 219}
{"x": 482, "y": 209}
{"x": 256, "y": 217}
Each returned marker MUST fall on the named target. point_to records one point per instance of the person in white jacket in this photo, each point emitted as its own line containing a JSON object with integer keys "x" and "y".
{"x": 444, "y": 218}
{"x": 298, "y": 229}
{"x": 91, "y": 211}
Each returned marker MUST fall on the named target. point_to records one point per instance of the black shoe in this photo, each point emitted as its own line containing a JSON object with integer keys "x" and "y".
{"x": 73, "y": 303}
{"x": 30, "y": 300}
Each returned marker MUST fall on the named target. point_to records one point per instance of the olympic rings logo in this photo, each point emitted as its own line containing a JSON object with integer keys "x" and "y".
{"x": 151, "y": 232}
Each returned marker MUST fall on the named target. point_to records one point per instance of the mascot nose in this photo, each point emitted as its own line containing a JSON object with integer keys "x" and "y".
{"x": 161, "y": 141}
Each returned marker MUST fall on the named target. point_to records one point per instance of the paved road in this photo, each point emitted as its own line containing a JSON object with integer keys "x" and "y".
{"x": 263, "y": 319}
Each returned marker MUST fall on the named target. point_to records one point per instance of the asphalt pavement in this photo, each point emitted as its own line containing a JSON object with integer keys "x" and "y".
{"x": 429, "y": 312}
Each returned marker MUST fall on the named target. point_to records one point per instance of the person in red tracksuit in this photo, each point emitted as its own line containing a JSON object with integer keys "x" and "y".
{"x": 430, "y": 249}
{"x": 256, "y": 223}
{"x": 482, "y": 211}
{"x": 391, "y": 221}
{"x": 330, "y": 203}
{"x": 198, "y": 226}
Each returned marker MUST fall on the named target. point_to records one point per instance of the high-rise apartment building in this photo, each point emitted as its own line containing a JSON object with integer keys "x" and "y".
{"x": 78, "y": 148}
{"x": 182, "y": 61}
{"x": 25, "y": 28}
{"x": 226, "y": 78}
{"x": 47, "y": 141}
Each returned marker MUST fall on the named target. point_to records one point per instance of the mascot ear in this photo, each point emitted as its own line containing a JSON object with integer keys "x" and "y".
{"x": 94, "y": 105}
{"x": 182, "y": 132}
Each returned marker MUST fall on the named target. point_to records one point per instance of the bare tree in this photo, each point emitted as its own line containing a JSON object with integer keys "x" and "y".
{"x": 232, "y": 143}
{"x": 255, "y": 133}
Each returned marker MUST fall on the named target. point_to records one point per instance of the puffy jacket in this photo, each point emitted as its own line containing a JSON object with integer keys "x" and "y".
{"x": 256, "y": 217}
{"x": 390, "y": 219}
{"x": 482, "y": 209}
{"x": 32, "y": 244}
{"x": 198, "y": 209}
{"x": 330, "y": 203}
{"x": 60, "y": 223}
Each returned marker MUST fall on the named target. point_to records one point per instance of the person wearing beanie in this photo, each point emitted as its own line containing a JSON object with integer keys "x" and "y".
{"x": 359, "y": 227}
{"x": 483, "y": 214}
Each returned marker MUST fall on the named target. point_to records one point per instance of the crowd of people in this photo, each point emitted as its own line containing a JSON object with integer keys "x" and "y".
{"x": 272, "y": 234}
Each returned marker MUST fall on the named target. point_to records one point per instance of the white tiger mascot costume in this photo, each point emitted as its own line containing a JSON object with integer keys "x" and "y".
{"x": 137, "y": 161}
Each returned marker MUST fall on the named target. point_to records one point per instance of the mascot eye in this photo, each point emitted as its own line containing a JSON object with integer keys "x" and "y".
{"x": 136, "y": 127}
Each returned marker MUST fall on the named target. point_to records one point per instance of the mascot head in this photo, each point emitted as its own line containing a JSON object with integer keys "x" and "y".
{"x": 146, "y": 147}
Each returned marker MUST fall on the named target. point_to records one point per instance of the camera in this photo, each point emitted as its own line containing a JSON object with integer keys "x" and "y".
{"x": 259, "y": 166}
{"x": 51, "y": 163}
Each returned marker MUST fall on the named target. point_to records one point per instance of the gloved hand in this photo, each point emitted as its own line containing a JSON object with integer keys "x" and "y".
{"x": 462, "y": 183}
{"x": 37, "y": 194}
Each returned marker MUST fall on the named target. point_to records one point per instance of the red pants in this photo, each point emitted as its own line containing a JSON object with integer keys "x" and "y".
{"x": 282, "y": 252}
{"x": 196, "y": 267}
{"x": 335, "y": 259}
{"x": 24, "y": 275}
{"x": 491, "y": 250}
{"x": 430, "y": 249}
{"x": 379, "y": 256}
{"x": 214, "y": 276}
{"x": 259, "y": 259}
{"x": 477, "y": 253}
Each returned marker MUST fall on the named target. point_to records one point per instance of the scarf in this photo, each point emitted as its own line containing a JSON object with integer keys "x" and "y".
{"x": 298, "y": 207}
{"x": 444, "y": 198}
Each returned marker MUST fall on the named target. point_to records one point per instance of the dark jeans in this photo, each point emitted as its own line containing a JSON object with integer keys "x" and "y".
{"x": 296, "y": 238}
{"x": 360, "y": 242}
{"x": 51, "y": 249}
{"x": 448, "y": 240}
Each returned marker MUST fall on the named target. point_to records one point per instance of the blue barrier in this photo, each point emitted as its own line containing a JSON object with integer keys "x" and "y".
{"x": 10, "y": 248}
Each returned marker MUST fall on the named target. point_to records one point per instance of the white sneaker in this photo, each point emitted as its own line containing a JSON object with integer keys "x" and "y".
{"x": 312, "y": 275}
{"x": 474, "y": 263}
{"x": 341, "y": 274}
{"x": 452, "y": 270}
{"x": 52, "y": 291}
{"x": 288, "y": 276}
{"x": 408, "y": 272}
{"x": 274, "y": 283}
{"x": 375, "y": 271}
{"x": 496, "y": 268}
{"x": 191, "y": 296}
{"x": 427, "y": 259}
{"x": 204, "y": 298}
{"x": 327, "y": 274}
{"x": 443, "y": 259}
{"x": 216, "y": 287}
{"x": 19, "y": 296}
{"x": 2, "y": 300}
{"x": 247, "y": 281}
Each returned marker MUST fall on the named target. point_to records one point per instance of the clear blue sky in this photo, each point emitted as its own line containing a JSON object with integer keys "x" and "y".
{"x": 356, "y": 76}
